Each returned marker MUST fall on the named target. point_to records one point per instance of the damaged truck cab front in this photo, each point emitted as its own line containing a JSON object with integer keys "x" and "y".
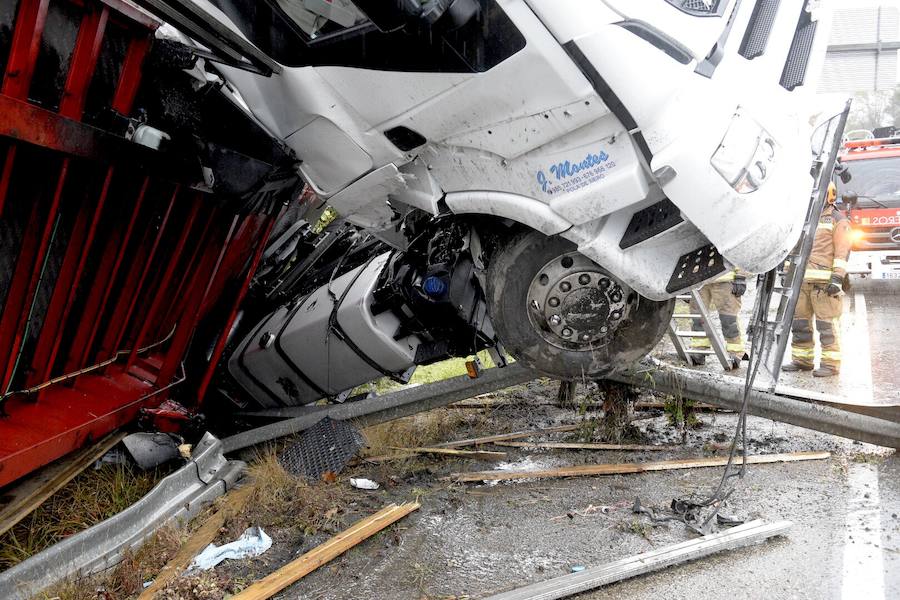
{"x": 603, "y": 156}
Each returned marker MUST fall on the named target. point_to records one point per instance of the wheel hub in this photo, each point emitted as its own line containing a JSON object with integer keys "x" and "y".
{"x": 575, "y": 304}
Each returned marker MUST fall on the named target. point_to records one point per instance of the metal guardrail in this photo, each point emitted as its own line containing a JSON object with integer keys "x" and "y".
{"x": 180, "y": 496}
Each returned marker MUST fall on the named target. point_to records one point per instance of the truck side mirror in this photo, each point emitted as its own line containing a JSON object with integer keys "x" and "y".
{"x": 850, "y": 199}
{"x": 841, "y": 170}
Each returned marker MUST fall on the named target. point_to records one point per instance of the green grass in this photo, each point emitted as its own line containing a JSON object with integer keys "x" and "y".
{"x": 93, "y": 496}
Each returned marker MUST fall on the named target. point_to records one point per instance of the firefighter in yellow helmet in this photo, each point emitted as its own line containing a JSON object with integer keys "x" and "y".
{"x": 724, "y": 294}
{"x": 821, "y": 295}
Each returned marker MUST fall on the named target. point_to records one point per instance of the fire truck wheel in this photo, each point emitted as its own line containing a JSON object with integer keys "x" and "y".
{"x": 562, "y": 314}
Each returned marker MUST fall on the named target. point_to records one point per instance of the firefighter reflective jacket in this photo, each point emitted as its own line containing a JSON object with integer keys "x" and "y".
{"x": 831, "y": 248}
{"x": 732, "y": 275}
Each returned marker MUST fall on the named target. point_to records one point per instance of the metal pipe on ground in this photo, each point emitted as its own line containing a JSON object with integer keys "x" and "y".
{"x": 380, "y": 409}
{"x": 728, "y": 392}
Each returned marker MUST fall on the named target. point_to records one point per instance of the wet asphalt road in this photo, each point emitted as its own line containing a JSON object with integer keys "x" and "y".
{"x": 469, "y": 541}
{"x": 882, "y": 299}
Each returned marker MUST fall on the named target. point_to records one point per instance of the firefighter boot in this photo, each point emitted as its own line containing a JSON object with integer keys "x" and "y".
{"x": 826, "y": 371}
{"x": 793, "y": 367}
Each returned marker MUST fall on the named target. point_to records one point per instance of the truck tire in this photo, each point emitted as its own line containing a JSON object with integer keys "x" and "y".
{"x": 565, "y": 316}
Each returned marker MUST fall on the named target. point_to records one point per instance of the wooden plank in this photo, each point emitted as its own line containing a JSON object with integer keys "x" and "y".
{"x": 405, "y": 453}
{"x": 515, "y": 435}
{"x": 324, "y": 553}
{"x": 640, "y": 564}
{"x": 586, "y": 446}
{"x": 234, "y": 502}
{"x": 625, "y": 468}
{"x": 34, "y": 490}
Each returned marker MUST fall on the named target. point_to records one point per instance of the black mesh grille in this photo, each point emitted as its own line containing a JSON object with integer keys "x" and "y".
{"x": 649, "y": 222}
{"x": 709, "y": 6}
{"x": 326, "y": 447}
{"x": 696, "y": 267}
{"x": 798, "y": 58}
{"x": 761, "y": 21}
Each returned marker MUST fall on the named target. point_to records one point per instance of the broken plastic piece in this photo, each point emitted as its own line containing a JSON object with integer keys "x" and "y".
{"x": 363, "y": 484}
{"x": 252, "y": 542}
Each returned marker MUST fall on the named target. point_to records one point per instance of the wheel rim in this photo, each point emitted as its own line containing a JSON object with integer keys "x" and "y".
{"x": 576, "y": 305}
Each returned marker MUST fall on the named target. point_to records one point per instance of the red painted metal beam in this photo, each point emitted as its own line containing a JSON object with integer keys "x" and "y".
{"x": 131, "y": 291}
{"x": 198, "y": 263}
{"x": 83, "y": 62}
{"x": 52, "y": 317}
{"x": 16, "y": 320}
{"x": 159, "y": 298}
{"x": 232, "y": 315}
{"x": 71, "y": 291}
{"x": 100, "y": 293}
{"x": 26, "y": 42}
{"x": 130, "y": 78}
{"x": 6, "y": 174}
{"x": 67, "y": 418}
{"x": 191, "y": 317}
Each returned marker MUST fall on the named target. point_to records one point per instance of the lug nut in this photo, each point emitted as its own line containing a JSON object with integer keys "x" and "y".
{"x": 585, "y": 338}
{"x": 604, "y": 329}
{"x": 555, "y": 320}
{"x": 554, "y": 302}
{"x": 616, "y": 297}
{"x": 566, "y": 332}
{"x": 616, "y": 315}
{"x": 604, "y": 283}
{"x": 565, "y": 286}
{"x": 584, "y": 279}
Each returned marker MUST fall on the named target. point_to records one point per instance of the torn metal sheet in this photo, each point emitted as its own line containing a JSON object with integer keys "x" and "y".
{"x": 178, "y": 497}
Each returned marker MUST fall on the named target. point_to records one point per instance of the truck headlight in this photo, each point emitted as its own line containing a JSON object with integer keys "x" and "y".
{"x": 746, "y": 156}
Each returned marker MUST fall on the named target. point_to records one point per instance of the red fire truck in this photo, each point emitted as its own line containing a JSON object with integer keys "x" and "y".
{"x": 872, "y": 199}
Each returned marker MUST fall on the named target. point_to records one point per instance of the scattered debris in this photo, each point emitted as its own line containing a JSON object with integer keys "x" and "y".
{"x": 252, "y": 542}
{"x": 232, "y": 504}
{"x": 324, "y": 553}
{"x": 623, "y": 468}
{"x": 322, "y": 450}
{"x": 490, "y": 439}
{"x": 589, "y": 579}
{"x": 363, "y": 484}
{"x": 150, "y": 450}
{"x": 587, "y": 446}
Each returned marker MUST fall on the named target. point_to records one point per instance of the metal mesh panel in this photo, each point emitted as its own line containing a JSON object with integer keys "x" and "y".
{"x": 798, "y": 58}
{"x": 326, "y": 447}
{"x": 761, "y": 22}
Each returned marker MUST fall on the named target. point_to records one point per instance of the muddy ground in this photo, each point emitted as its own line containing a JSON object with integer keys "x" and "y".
{"x": 472, "y": 540}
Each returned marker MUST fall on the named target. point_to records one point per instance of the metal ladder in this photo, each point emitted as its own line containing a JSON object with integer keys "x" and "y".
{"x": 782, "y": 301}
{"x": 716, "y": 342}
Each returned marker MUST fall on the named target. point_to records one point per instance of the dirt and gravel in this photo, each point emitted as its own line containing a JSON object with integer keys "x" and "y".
{"x": 471, "y": 540}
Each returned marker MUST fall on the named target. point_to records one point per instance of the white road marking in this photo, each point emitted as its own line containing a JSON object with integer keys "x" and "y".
{"x": 856, "y": 367}
{"x": 863, "y": 557}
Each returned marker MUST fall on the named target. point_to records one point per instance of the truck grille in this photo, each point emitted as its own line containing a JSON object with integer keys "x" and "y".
{"x": 761, "y": 21}
{"x": 794, "y": 73}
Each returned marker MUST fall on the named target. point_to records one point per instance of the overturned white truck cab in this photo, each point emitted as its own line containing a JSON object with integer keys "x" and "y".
{"x": 542, "y": 174}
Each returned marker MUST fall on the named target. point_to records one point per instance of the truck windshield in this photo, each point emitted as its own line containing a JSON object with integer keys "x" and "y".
{"x": 877, "y": 178}
{"x": 373, "y": 34}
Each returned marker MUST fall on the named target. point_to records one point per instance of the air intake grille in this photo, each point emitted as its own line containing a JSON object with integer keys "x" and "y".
{"x": 798, "y": 58}
{"x": 761, "y": 21}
